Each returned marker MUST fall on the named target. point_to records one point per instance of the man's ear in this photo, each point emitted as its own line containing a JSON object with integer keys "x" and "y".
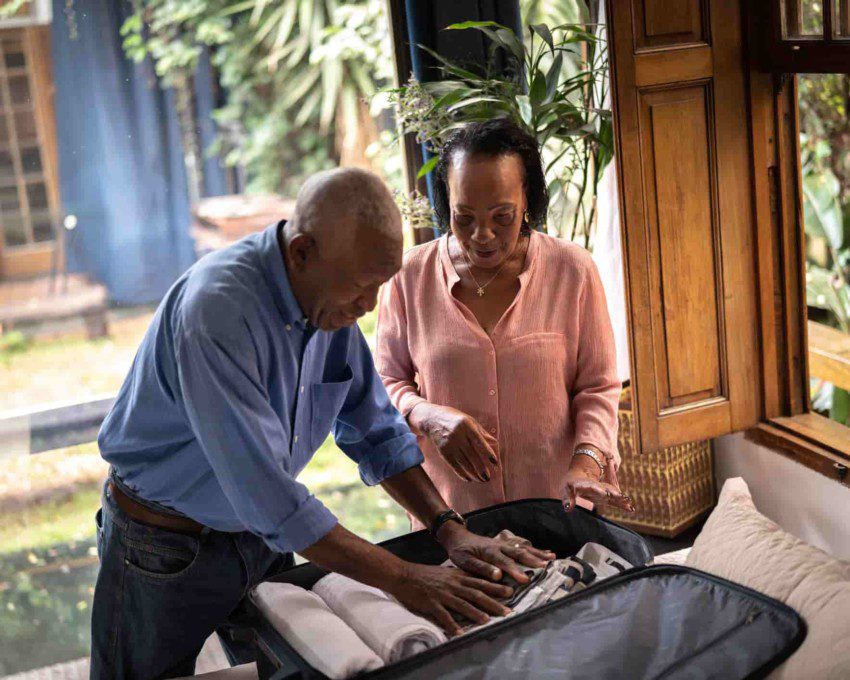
{"x": 302, "y": 250}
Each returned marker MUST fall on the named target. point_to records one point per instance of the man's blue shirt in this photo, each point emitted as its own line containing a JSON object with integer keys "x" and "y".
{"x": 231, "y": 393}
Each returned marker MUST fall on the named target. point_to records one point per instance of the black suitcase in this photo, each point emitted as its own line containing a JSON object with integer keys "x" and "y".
{"x": 646, "y": 623}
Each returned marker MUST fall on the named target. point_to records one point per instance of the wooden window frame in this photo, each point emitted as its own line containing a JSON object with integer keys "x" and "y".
{"x": 801, "y": 54}
{"x": 789, "y": 424}
{"x": 412, "y": 157}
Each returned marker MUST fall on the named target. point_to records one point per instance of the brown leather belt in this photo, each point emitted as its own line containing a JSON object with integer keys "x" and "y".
{"x": 142, "y": 513}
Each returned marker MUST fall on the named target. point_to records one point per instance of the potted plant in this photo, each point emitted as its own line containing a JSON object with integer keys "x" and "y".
{"x": 555, "y": 86}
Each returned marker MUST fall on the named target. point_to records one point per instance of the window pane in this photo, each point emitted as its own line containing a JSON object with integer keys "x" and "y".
{"x": 10, "y": 204}
{"x": 31, "y": 159}
{"x": 803, "y": 18}
{"x": 14, "y": 54}
{"x": 42, "y": 227}
{"x": 25, "y": 125}
{"x": 19, "y": 90}
{"x": 37, "y": 195}
{"x": 841, "y": 19}
{"x": 7, "y": 169}
{"x": 825, "y": 161}
{"x": 14, "y": 233}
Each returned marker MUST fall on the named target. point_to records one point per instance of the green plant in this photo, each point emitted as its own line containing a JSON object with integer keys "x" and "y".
{"x": 826, "y": 212}
{"x": 11, "y": 343}
{"x": 296, "y": 74}
{"x": 553, "y": 87}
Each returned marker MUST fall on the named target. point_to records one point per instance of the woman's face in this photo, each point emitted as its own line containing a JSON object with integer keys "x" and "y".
{"x": 487, "y": 202}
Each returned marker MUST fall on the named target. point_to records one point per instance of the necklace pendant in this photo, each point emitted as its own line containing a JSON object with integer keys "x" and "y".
{"x": 480, "y": 292}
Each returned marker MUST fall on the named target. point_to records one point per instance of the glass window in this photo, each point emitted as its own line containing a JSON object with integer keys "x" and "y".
{"x": 825, "y": 161}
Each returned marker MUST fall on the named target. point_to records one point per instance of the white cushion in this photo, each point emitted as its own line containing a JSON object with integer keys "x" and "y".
{"x": 740, "y": 544}
{"x": 677, "y": 557}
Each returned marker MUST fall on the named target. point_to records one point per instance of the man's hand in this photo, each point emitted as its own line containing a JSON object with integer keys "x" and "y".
{"x": 435, "y": 592}
{"x": 489, "y": 557}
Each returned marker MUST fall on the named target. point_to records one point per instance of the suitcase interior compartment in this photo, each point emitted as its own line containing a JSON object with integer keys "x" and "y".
{"x": 656, "y": 622}
{"x": 544, "y": 522}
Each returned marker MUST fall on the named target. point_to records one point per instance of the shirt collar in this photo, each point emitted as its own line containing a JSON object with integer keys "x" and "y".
{"x": 274, "y": 269}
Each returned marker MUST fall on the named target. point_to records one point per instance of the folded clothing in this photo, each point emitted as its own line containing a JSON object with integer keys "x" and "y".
{"x": 556, "y": 580}
{"x": 387, "y": 627}
{"x": 324, "y": 640}
{"x": 604, "y": 562}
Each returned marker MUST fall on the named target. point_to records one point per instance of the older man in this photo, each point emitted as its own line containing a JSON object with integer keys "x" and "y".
{"x": 252, "y": 357}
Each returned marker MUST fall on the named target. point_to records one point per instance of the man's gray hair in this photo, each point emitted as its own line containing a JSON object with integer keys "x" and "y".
{"x": 353, "y": 195}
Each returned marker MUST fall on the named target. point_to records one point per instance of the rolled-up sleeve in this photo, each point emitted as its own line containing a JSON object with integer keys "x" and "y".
{"x": 596, "y": 389}
{"x": 368, "y": 427}
{"x": 244, "y": 441}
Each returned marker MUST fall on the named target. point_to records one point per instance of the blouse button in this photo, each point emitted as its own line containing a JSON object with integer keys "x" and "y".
{"x": 492, "y": 393}
{"x": 492, "y": 430}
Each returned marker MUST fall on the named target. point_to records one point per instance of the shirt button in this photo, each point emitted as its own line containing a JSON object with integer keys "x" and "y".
{"x": 296, "y": 438}
{"x": 302, "y": 389}
{"x": 492, "y": 430}
{"x": 492, "y": 393}
{"x": 288, "y": 327}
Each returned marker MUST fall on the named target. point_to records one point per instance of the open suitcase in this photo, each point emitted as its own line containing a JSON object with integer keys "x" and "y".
{"x": 648, "y": 622}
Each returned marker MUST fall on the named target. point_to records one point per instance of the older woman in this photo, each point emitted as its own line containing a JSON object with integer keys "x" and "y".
{"x": 494, "y": 341}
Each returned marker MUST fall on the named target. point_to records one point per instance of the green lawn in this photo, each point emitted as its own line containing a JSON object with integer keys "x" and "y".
{"x": 69, "y": 516}
{"x": 58, "y": 521}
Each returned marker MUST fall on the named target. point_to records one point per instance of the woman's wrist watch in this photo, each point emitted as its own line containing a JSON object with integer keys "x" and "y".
{"x": 595, "y": 456}
{"x": 442, "y": 518}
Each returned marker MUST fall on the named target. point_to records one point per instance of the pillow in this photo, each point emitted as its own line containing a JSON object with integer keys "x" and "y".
{"x": 740, "y": 544}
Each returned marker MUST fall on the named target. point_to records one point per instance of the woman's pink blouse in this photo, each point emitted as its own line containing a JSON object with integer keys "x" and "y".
{"x": 544, "y": 382}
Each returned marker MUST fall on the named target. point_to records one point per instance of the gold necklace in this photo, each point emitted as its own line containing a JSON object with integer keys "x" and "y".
{"x": 479, "y": 288}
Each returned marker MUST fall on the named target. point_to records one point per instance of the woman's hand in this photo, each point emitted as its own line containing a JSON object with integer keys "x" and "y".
{"x": 583, "y": 481}
{"x": 466, "y": 446}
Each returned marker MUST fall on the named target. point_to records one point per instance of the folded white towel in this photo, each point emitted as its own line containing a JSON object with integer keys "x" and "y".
{"x": 325, "y": 641}
{"x": 393, "y": 632}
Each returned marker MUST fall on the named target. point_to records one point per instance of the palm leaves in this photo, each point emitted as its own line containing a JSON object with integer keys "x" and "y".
{"x": 295, "y": 72}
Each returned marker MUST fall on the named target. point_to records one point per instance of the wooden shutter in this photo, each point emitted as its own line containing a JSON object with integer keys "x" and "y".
{"x": 680, "y": 109}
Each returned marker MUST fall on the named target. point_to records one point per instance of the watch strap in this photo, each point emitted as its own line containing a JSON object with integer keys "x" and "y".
{"x": 442, "y": 518}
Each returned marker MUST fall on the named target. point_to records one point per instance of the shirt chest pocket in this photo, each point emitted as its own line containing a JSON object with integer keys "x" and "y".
{"x": 327, "y": 398}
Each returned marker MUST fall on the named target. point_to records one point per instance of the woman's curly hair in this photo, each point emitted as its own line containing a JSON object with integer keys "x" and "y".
{"x": 498, "y": 137}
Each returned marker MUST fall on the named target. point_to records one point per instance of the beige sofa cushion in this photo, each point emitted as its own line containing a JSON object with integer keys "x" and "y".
{"x": 740, "y": 544}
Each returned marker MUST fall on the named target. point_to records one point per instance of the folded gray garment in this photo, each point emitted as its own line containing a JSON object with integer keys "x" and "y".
{"x": 559, "y": 578}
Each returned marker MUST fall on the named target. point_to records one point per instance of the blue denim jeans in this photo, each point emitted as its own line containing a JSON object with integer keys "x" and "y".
{"x": 160, "y": 593}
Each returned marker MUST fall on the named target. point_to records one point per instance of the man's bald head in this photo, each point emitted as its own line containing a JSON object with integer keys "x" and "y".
{"x": 345, "y": 207}
{"x": 343, "y": 242}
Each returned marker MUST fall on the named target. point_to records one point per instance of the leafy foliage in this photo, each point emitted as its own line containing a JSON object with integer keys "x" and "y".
{"x": 553, "y": 87}
{"x": 825, "y": 146}
{"x": 296, "y": 74}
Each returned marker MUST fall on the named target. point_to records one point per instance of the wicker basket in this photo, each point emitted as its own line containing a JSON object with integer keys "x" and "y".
{"x": 672, "y": 488}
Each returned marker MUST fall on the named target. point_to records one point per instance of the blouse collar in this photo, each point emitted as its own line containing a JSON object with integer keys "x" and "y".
{"x": 452, "y": 277}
